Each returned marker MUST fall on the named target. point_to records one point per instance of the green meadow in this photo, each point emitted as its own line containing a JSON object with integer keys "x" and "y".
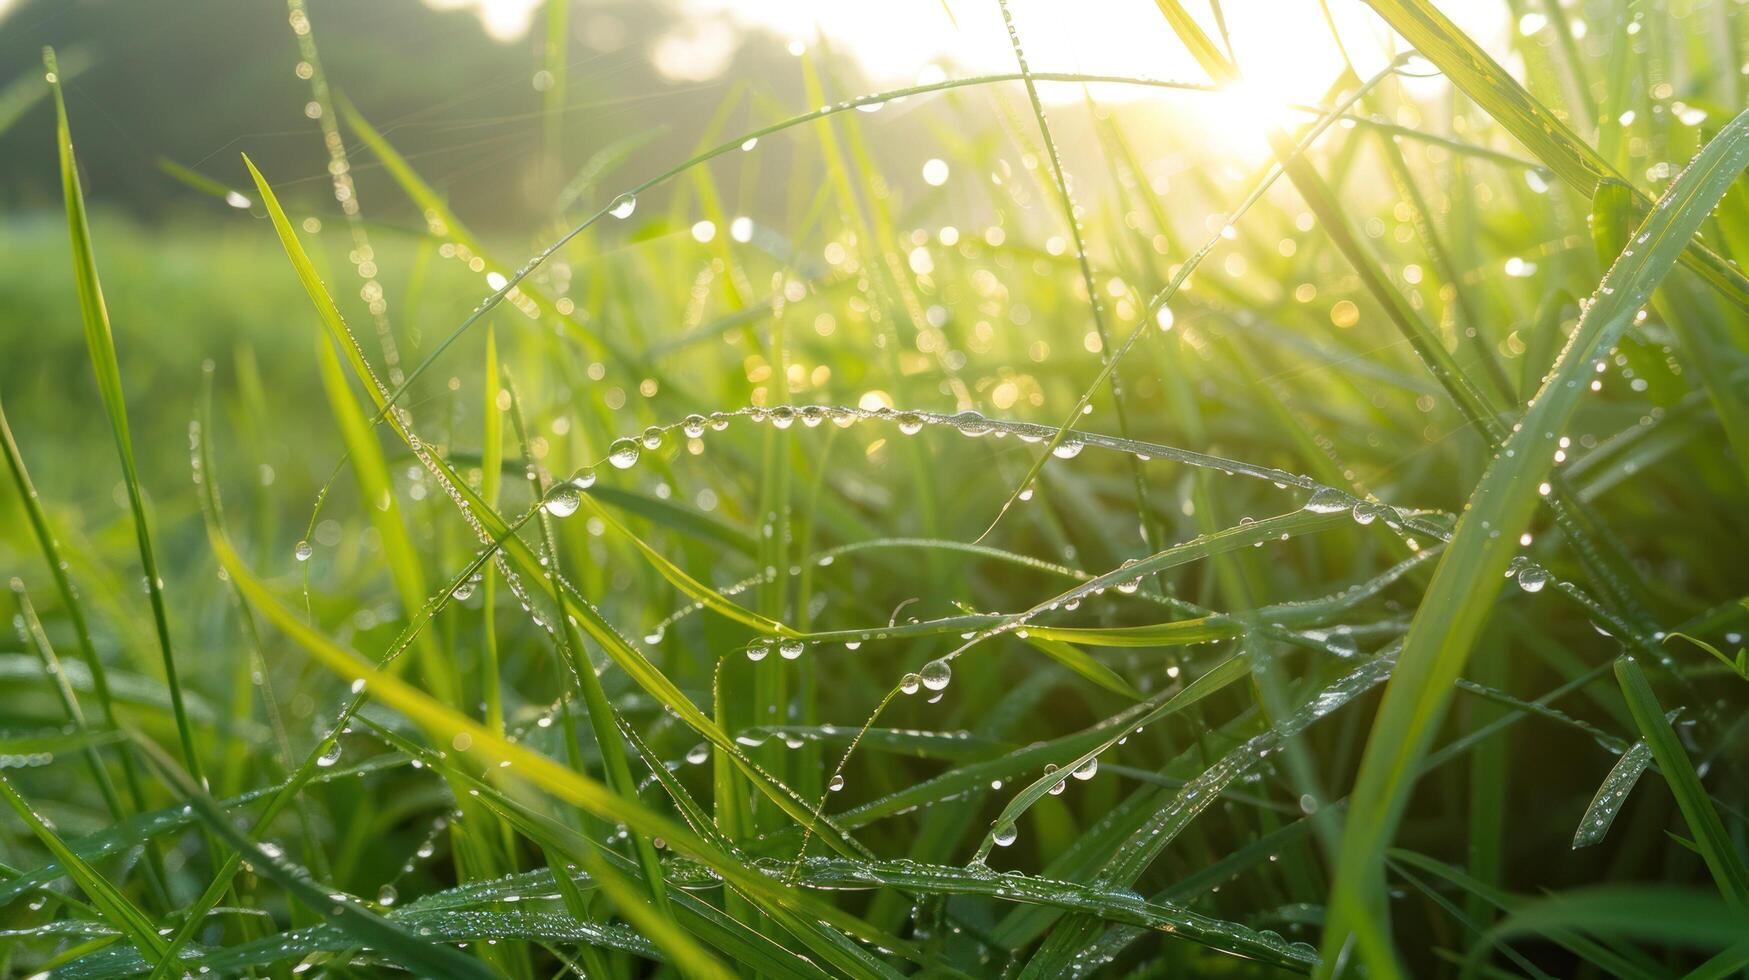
{"x": 1021, "y": 523}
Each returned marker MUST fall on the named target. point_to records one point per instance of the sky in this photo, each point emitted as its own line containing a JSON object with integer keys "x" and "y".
{"x": 1283, "y": 46}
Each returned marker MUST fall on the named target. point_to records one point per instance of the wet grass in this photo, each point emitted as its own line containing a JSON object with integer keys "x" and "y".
{"x": 1114, "y": 560}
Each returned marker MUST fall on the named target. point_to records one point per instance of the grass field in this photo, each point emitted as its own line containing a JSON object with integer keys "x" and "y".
{"x": 1084, "y": 554}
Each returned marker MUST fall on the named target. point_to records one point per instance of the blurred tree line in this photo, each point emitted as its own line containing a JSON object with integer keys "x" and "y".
{"x": 197, "y": 82}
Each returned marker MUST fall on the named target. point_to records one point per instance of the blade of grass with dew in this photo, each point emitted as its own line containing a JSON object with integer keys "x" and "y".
{"x": 1712, "y": 356}
{"x": 1460, "y": 597}
{"x": 1715, "y": 845}
{"x": 496, "y": 529}
{"x": 1465, "y": 394}
{"x": 116, "y": 908}
{"x": 1217, "y": 678}
{"x": 1611, "y": 794}
{"x": 1126, "y": 862}
{"x": 101, "y": 346}
{"x": 405, "y": 946}
{"x": 31, "y": 632}
{"x": 538, "y": 770}
{"x": 1544, "y": 133}
{"x": 609, "y": 742}
{"x": 491, "y": 482}
{"x": 745, "y": 945}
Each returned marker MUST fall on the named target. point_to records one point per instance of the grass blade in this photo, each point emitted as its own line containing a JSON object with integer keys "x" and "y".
{"x": 1459, "y": 600}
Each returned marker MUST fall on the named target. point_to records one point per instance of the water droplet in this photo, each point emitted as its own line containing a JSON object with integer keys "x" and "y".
{"x": 698, "y": 754}
{"x": 563, "y": 501}
{"x": 749, "y": 143}
{"x": 1532, "y": 578}
{"x": 653, "y": 437}
{"x": 935, "y": 674}
{"x": 1327, "y": 500}
{"x": 584, "y": 478}
{"x": 1365, "y": 513}
{"x": 1067, "y": 450}
{"x": 1086, "y": 770}
{"x": 693, "y": 426}
{"x": 836, "y": 783}
{"x": 790, "y": 649}
{"x": 331, "y": 756}
{"x": 759, "y": 651}
{"x": 463, "y": 592}
{"x": 1004, "y": 835}
{"x": 623, "y": 453}
{"x": 783, "y": 416}
{"x": 972, "y": 423}
{"x": 910, "y": 683}
{"x": 386, "y": 895}
{"x": 623, "y": 206}
{"x": 910, "y": 423}
{"x": 303, "y": 551}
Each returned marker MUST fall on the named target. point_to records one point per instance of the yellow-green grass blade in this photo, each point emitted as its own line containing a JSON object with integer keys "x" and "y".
{"x": 1079, "y": 661}
{"x": 101, "y": 345}
{"x": 496, "y": 529}
{"x": 537, "y": 770}
{"x": 1461, "y": 596}
{"x": 692, "y": 588}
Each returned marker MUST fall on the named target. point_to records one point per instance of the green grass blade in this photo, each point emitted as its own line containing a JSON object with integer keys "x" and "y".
{"x": 101, "y": 345}
{"x": 1710, "y": 838}
{"x": 1548, "y": 137}
{"x": 1612, "y": 793}
{"x": 1460, "y": 598}
{"x": 115, "y": 906}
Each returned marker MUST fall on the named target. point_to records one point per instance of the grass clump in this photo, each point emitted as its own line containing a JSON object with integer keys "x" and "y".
{"x": 1325, "y": 566}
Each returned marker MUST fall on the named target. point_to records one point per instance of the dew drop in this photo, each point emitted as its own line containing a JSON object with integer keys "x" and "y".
{"x": 1067, "y": 450}
{"x": 836, "y": 783}
{"x": 758, "y": 651}
{"x": 910, "y": 683}
{"x": 653, "y": 437}
{"x": 1004, "y": 835}
{"x": 387, "y": 895}
{"x": 623, "y": 453}
{"x": 623, "y": 206}
{"x": 1327, "y": 500}
{"x": 935, "y": 674}
{"x": 303, "y": 551}
{"x": 790, "y": 649}
{"x": 1532, "y": 578}
{"x": 1086, "y": 770}
{"x": 972, "y": 424}
{"x": 331, "y": 756}
{"x": 584, "y": 478}
{"x": 563, "y": 501}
